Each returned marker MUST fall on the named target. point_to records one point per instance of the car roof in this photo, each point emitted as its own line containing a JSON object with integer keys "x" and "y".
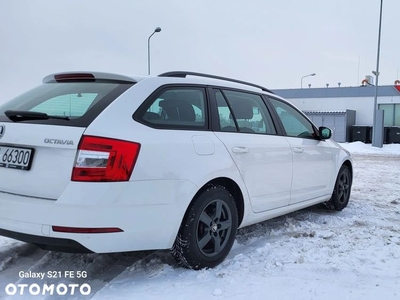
{"x": 168, "y": 77}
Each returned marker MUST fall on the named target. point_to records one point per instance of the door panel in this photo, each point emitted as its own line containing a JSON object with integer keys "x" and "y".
{"x": 265, "y": 164}
{"x": 329, "y": 121}
{"x": 263, "y": 158}
{"x": 318, "y": 120}
{"x": 312, "y": 157}
{"x": 312, "y": 169}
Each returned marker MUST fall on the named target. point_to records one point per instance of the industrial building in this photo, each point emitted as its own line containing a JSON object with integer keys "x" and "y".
{"x": 349, "y": 111}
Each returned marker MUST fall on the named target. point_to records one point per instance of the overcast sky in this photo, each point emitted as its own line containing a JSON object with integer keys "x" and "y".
{"x": 270, "y": 42}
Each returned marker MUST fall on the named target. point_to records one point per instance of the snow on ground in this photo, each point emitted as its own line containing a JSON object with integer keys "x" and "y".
{"x": 361, "y": 148}
{"x": 310, "y": 254}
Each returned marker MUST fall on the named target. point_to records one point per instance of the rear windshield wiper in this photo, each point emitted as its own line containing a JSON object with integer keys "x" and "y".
{"x": 22, "y": 115}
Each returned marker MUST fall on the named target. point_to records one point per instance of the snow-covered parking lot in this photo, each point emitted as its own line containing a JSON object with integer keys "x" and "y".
{"x": 310, "y": 254}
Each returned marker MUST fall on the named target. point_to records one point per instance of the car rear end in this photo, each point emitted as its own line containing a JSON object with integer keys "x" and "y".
{"x": 45, "y": 159}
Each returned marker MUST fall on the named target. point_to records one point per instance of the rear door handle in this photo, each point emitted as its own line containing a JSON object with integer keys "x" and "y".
{"x": 298, "y": 150}
{"x": 240, "y": 149}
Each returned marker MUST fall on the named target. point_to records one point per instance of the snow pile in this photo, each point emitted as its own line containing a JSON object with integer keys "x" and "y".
{"x": 361, "y": 148}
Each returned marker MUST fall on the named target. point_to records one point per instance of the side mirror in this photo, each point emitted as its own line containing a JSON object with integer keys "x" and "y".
{"x": 325, "y": 133}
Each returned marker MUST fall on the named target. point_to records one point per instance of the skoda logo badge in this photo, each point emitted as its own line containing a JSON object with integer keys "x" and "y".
{"x": 2, "y": 130}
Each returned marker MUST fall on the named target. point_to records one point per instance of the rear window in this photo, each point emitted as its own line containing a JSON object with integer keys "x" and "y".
{"x": 81, "y": 102}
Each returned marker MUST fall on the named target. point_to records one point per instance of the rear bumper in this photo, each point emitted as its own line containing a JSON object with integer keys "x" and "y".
{"x": 47, "y": 243}
{"x": 149, "y": 214}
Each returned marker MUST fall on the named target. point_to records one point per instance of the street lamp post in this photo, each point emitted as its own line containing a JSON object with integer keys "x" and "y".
{"x": 301, "y": 83}
{"x": 377, "y": 129}
{"x": 158, "y": 29}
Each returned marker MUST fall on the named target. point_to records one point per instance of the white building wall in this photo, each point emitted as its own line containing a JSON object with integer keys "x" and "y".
{"x": 364, "y": 106}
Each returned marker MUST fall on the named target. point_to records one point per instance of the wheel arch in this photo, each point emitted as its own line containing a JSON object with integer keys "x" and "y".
{"x": 348, "y": 164}
{"x": 232, "y": 187}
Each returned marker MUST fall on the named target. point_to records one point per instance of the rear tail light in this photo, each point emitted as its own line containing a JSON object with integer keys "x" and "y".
{"x": 104, "y": 159}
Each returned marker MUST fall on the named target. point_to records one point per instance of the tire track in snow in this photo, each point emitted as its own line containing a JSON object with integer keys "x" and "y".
{"x": 100, "y": 270}
{"x": 10, "y": 256}
{"x": 13, "y": 257}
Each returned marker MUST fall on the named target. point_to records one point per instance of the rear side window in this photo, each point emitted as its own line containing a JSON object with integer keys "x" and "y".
{"x": 247, "y": 113}
{"x": 175, "y": 107}
{"x": 81, "y": 102}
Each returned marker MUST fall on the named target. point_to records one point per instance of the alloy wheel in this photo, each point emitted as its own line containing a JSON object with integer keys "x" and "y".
{"x": 214, "y": 228}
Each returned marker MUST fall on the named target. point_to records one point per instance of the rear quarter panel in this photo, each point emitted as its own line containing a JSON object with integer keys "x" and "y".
{"x": 172, "y": 156}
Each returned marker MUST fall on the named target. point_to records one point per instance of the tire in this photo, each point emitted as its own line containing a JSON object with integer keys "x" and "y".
{"x": 208, "y": 230}
{"x": 341, "y": 193}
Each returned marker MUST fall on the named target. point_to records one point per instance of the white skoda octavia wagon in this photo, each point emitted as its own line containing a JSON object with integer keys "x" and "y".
{"x": 98, "y": 162}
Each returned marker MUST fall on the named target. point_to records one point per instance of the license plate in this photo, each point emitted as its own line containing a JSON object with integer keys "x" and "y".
{"x": 16, "y": 158}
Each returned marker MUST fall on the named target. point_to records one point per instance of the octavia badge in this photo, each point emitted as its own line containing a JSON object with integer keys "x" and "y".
{"x": 2, "y": 130}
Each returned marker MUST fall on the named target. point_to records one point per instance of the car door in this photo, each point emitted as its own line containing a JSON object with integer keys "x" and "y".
{"x": 312, "y": 157}
{"x": 263, "y": 158}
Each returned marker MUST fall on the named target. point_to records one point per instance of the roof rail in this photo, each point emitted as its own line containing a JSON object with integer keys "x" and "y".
{"x": 183, "y": 74}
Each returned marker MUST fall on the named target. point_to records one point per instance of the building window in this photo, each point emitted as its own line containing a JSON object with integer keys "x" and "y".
{"x": 397, "y": 115}
{"x": 392, "y": 114}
